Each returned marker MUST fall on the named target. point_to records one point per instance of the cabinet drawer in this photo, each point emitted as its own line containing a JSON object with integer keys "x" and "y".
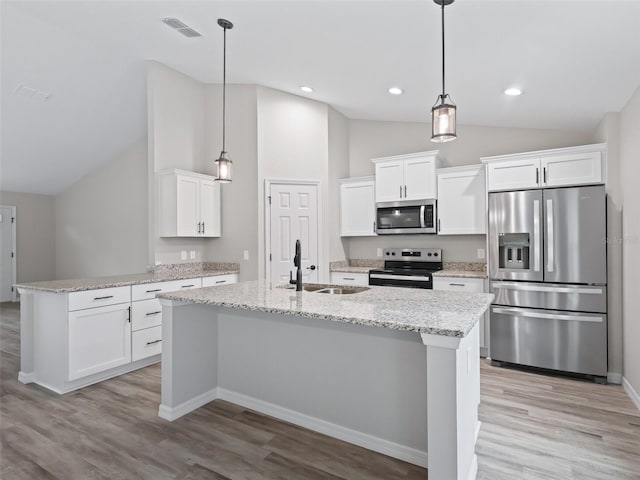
{"x": 219, "y": 280}
{"x": 459, "y": 284}
{"x": 146, "y": 291}
{"x": 99, "y": 298}
{"x": 340, "y": 278}
{"x": 146, "y": 343}
{"x": 146, "y": 314}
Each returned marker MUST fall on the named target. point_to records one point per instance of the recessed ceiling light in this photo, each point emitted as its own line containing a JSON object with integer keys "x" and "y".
{"x": 306, "y": 89}
{"x": 513, "y": 92}
{"x": 395, "y": 91}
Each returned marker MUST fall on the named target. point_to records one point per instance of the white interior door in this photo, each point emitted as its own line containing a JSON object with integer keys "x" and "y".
{"x": 293, "y": 216}
{"x": 7, "y": 256}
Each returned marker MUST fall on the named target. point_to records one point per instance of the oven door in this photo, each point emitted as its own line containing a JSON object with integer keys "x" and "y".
{"x": 386, "y": 279}
{"x": 406, "y": 217}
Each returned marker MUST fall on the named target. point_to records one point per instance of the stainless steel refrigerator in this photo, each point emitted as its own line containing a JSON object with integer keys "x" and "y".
{"x": 548, "y": 271}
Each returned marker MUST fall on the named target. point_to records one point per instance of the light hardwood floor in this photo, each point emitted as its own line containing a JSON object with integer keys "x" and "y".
{"x": 534, "y": 427}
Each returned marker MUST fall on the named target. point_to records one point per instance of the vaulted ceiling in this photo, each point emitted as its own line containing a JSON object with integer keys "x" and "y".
{"x": 575, "y": 60}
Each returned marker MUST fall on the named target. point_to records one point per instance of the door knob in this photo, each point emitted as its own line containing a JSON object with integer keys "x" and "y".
{"x": 311, "y": 267}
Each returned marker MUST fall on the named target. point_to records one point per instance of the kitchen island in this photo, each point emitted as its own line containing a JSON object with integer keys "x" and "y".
{"x": 391, "y": 369}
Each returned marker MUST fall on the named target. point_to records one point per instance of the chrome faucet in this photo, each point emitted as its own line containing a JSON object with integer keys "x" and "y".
{"x": 297, "y": 261}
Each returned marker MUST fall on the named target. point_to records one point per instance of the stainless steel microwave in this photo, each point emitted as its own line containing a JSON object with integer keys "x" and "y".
{"x": 405, "y": 217}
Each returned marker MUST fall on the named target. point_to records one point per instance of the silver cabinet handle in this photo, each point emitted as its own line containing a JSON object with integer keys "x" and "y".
{"x": 457, "y": 284}
{"x": 154, "y": 313}
{"x": 221, "y": 281}
{"x": 187, "y": 286}
{"x": 550, "y": 259}
{"x": 374, "y": 227}
{"x": 405, "y": 191}
{"x": 103, "y": 298}
{"x": 198, "y": 227}
{"x": 537, "y": 175}
{"x": 536, "y": 235}
{"x": 544, "y": 175}
{"x": 153, "y": 342}
{"x": 154, "y": 290}
{"x": 400, "y": 191}
{"x": 203, "y": 228}
{"x": 349, "y": 278}
{"x": 438, "y": 224}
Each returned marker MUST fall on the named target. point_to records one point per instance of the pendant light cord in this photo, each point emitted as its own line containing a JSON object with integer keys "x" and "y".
{"x": 443, "y": 89}
{"x": 224, "y": 87}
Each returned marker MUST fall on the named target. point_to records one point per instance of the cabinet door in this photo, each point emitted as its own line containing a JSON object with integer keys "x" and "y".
{"x": 461, "y": 202}
{"x": 514, "y": 174}
{"x": 419, "y": 179}
{"x": 389, "y": 181}
{"x": 357, "y": 209}
{"x": 99, "y": 339}
{"x": 575, "y": 169}
{"x": 210, "y": 208}
{"x": 187, "y": 190}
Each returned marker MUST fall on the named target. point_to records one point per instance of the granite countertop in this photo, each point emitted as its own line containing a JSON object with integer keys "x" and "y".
{"x": 445, "y": 313}
{"x": 450, "y": 269}
{"x": 162, "y": 273}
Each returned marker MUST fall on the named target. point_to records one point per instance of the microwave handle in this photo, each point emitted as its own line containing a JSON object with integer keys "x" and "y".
{"x": 422, "y": 213}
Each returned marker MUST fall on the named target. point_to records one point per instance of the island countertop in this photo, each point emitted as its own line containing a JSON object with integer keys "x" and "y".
{"x": 446, "y": 313}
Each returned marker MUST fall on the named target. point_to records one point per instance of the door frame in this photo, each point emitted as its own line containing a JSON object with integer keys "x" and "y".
{"x": 268, "y": 182}
{"x": 14, "y": 249}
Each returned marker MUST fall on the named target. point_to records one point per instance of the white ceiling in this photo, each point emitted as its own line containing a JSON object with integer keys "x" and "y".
{"x": 575, "y": 60}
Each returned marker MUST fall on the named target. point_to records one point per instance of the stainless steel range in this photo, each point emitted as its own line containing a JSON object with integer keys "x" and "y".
{"x": 407, "y": 267}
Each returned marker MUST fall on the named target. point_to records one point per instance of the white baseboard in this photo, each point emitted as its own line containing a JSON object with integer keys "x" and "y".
{"x": 402, "y": 452}
{"x": 173, "y": 413}
{"x": 633, "y": 395}
{"x": 615, "y": 378}
{"x": 26, "y": 377}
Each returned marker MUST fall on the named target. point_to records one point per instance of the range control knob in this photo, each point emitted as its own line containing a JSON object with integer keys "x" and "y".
{"x": 435, "y": 254}
{"x": 429, "y": 254}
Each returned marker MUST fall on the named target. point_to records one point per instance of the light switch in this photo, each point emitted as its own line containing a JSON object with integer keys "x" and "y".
{"x": 192, "y": 255}
{"x": 183, "y": 255}
{"x": 245, "y": 254}
{"x": 480, "y": 253}
{"x": 379, "y": 253}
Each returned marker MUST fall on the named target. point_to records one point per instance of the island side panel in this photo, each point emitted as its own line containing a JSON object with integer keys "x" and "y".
{"x": 453, "y": 389}
{"x": 189, "y": 357}
{"x": 366, "y": 385}
{"x": 27, "y": 369}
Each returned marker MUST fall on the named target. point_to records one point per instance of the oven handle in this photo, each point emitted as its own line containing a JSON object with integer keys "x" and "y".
{"x": 422, "y": 222}
{"x": 399, "y": 277}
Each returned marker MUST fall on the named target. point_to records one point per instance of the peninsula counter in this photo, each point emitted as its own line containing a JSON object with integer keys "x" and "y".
{"x": 391, "y": 369}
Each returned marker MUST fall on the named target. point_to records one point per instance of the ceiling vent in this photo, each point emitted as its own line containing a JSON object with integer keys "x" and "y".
{"x": 181, "y": 27}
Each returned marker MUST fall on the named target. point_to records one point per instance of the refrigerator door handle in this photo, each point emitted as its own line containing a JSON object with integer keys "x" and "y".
{"x": 551, "y": 316}
{"x": 550, "y": 259}
{"x": 542, "y": 288}
{"x": 536, "y": 235}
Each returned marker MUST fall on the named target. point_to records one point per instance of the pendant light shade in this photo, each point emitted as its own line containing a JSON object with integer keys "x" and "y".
{"x": 223, "y": 162}
{"x": 443, "y": 113}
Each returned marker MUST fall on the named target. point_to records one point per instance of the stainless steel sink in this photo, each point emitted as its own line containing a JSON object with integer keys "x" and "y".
{"x": 343, "y": 290}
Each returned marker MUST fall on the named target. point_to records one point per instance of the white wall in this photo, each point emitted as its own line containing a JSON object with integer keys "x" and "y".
{"x": 240, "y": 197}
{"x": 371, "y": 139}
{"x": 609, "y": 132}
{"x": 35, "y": 235}
{"x": 292, "y": 144}
{"x": 338, "y": 168}
{"x": 102, "y": 219}
{"x": 176, "y": 120}
{"x": 630, "y": 182}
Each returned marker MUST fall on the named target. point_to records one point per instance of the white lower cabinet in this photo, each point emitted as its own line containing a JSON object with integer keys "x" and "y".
{"x": 342, "y": 278}
{"x": 471, "y": 285}
{"x": 99, "y": 339}
{"x": 220, "y": 280}
{"x": 146, "y": 343}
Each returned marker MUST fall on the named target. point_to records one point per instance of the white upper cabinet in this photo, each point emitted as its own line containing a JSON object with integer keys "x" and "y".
{"x": 461, "y": 200}
{"x": 406, "y": 177}
{"x": 188, "y": 204}
{"x": 357, "y": 207}
{"x": 548, "y": 168}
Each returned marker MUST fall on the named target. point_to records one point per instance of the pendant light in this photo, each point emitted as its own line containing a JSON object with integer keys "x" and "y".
{"x": 443, "y": 112}
{"x": 223, "y": 163}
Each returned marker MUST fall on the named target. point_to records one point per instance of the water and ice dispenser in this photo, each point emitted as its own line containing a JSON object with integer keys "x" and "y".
{"x": 513, "y": 250}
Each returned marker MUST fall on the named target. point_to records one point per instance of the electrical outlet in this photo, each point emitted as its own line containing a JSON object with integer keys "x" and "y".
{"x": 480, "y": 253}
{"x": 192, "y": 254}
{"x": 183, "y": 255}
{"x": 379, "y": 253}
{"x": 245, "y": 254}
